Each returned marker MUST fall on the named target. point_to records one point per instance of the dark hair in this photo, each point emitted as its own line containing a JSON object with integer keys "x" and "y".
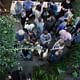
{"x": 45, "y": 30}
{"x": 32, "y": 17}
{"x": 65, "y": 20}
{"x": 38, "y": 7}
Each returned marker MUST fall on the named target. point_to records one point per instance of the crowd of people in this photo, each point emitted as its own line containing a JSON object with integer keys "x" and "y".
{"x": 47, "y": 30}
{"x": 52, "y": 23}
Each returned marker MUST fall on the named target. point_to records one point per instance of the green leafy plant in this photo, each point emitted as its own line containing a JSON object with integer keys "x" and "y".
{"x": 76, "y": 7}
{"x": 8, "y": 56}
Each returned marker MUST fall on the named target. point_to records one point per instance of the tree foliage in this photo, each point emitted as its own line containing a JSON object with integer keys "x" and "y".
{"x": 7, "y": 38}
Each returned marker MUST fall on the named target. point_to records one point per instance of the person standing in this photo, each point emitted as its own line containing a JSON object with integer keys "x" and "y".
{"x": 27, "y": 5}
{"x": 23, "y": 18}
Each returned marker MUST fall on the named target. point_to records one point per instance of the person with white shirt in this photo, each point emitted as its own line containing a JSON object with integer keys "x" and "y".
{"x": 65, "y": 35}
{"x": 37, "y": 11}
{"x": 30, "y": 26}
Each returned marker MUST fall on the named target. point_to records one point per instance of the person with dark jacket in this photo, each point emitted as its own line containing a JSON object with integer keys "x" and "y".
{"x": 23, "y": 18}
{"x": 67, "y": 4}
{"x": 45, "y": 14}
{"x": 50, "y": 23}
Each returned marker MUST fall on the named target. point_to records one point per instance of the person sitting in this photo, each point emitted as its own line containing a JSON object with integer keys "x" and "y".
{"x": 31, "y": 37}
{"x": 29, "y": 27}
{"x": 26, "y": 54}
{"x": 30, "y": 24}
{"x": 59, "y": 45}
{"x": 20, "y": 35}
{"x": 57, "y": 50}
{"x": 45, "y": 38}
{"x": 65, "y": 35}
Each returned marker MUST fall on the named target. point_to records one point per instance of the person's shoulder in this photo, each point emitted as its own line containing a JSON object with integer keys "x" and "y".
{"x": 49, "y": 34}
{"x": 68, "y": 33}
{"x": 69, "y": 36}
{"x": 41, "y": 35}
